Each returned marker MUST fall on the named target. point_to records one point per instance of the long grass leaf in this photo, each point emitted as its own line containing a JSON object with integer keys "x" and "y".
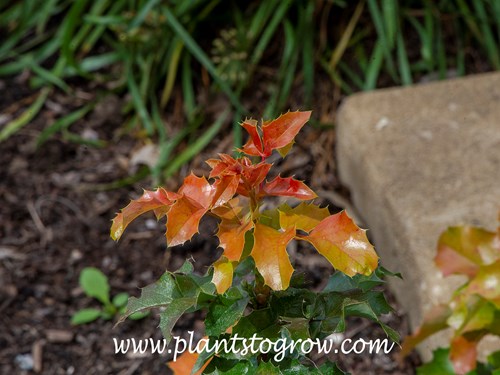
{"x": 343, "y": 42}
{"x": 196, "y": 147}
{"x": 198, "y": 53}
{"x": 30, "y": 113}
{"x": 63, "y": 123}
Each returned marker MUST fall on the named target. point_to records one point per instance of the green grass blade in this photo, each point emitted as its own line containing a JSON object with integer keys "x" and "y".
{"x": 383, "y": 39}
{"x": 173, "y": 64}
{"x": 373, "y": 70}
{"x": 46, "y": 76}
{"x": 343, "y": 42}
{"x": 196, "y": 147}
{"x": 404, "y": 65}
{"x": 308, "y": 54}
{"x": 63, "y": 123}
{"x": 16, "y": 124}
{"x": 141, "y": 15}
{"x": 198, "y": 53}
{"x": 138, "y": 103}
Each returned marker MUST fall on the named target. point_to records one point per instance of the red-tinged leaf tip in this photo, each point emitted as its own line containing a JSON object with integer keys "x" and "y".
{"x": 344, "y": 244}
{"x": 270, "y": 256}
{"x": 223, "y": 275}
{"x": 186, "y": 362}
{"x": 304, "y": 217}
{"x": 279, "y": 133}
{"x": 463, "y": 355}
{"x": 463, "y": 250}
{"x": 231, "y": 236}
{"x": 225, "y": 189}
{"x": 183, "y": 220}
{"x": 198, "y": 189}
{"x": 288, "y": 187}
{"x": 159, "y": 200}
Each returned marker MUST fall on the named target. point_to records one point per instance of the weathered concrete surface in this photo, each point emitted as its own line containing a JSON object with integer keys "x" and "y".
{"x": 418, "y": 160}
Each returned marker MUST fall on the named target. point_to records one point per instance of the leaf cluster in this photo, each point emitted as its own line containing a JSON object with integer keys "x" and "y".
{"x": 474, "y": 309}
{"x": 292, "y": 314}
{"x": 234, "y": 194}
{"x": 95, "y": 284}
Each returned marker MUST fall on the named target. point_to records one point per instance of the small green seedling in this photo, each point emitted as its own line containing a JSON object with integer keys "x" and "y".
{"x": 95, "y": 284}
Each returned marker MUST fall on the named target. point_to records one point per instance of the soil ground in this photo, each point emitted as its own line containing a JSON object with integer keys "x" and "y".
{"x": 53, "y": 223}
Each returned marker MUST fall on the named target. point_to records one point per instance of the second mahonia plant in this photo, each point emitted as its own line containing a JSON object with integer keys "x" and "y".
{"x": 234, "y": 194}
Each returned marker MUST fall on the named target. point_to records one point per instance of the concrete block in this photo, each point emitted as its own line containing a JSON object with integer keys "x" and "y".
{"x": 418, "y": 160}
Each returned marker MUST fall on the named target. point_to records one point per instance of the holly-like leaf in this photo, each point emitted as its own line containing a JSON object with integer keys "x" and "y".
{"x": 223, "y": 274}
{"x": 463, "y": 355}
{"x": 462, "y": 250}
{"x": 223, "y": 313}
{"x": 225, "y": 188}
{"x": 173, "y": 311}
{"x": 304, "y": 217}
{"x": 270, "y": 256}
{"x": 254, "y": 145}
{"x": 281, "y": 132}
{"x": 183, "y": 220}
{"x": 288, "y": 187}
{"x": 199, "y": 190}
{"x": 159, "y": 294}
{"x": 277, "y": 134}
{"x": 185, "y": 363}
{"x": 232, "y": 237}
{"x": 344, "y": 244}
{"x": 159, "y": 200}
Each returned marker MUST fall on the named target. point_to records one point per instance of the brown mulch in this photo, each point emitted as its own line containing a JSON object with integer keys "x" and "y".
{"x": 52, "y": 226}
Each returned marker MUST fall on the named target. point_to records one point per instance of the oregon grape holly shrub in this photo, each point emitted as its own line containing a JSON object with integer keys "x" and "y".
{"x": 474, "y": 309}
{"x": 252, "y": 289}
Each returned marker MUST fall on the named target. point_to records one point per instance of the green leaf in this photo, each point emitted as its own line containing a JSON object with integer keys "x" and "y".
{"x": 172, "y": 313}
{"x": 139, "y": 315}
{"x": 223, "y": 313}
{"x": 155, "y": 295}
{"x": 267, "y": 368}
{"x": 120, "y": 299}
{"x": 85, "y": 316}
{"x": 95, "y": 284}
{"x": 440, "y": 364}
{"x": 222, "y": 366}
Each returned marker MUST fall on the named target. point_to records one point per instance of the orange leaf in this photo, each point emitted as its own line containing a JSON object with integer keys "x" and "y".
{"x": 463, "y": 355}
{"x": 288, "y": 187}
{"x": 277, "y": 134}
{"x": 232, "y": 237}
{"x": 255, "y": 174}
{"x": 281, "y": 132}
{"x": 304, "y": 217}
{"x": 198, "y": 189}
{"x": 231, "y": 210}
{"x": 344, "y": 244}
{"x": 462, "y": 250}
{"x": 183, "y": 220}
{"x": 185, "y": 363}
{"x": 223, "y": 275}
{"x": 159, "y": 200}
{"x": 271, "y": 258}
{"x": 255, "y": 143}
{"x": 225, "y": 188}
